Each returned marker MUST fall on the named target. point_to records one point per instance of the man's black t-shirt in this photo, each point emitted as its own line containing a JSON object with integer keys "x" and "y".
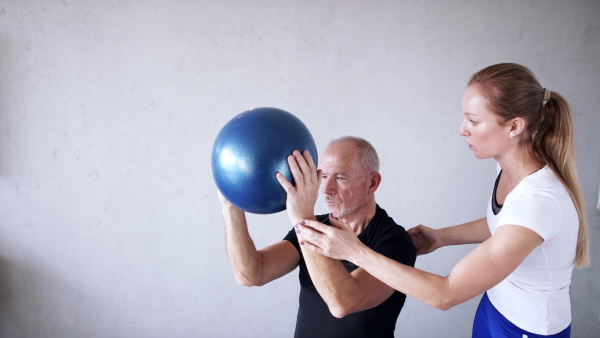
{"x": 382, "y": 235}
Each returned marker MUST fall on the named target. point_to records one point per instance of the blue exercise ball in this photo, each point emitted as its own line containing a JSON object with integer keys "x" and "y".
{"x": 248, "y": 152}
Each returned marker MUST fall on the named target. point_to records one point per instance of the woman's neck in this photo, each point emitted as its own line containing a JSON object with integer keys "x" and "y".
{"x": 517, "y": 165}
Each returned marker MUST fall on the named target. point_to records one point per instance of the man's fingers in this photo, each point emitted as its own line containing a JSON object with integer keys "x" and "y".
{"x": 303, "y": 168}
{"x": 285, "y": 184}
{"x": 301, "y": 162}
{"x": 295, "y": 169}
{"x": 315, "y": 175}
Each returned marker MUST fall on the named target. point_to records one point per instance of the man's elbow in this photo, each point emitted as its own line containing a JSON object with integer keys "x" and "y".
{"x": 248, "y": 280}
{"x": 343, "y": 305}
{"x": 338, "y": 312}
{"x": 341, "y": 310}
{"x": 243, "y": 282}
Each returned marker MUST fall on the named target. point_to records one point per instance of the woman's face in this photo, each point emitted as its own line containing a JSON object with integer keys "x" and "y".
{"x": 485, "y": 135}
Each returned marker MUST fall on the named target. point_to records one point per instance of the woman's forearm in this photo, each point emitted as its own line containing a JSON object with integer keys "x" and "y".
{"x": 429, "y": 288}
{"x": 467, "y": 233}
{"x": 482, "y": 268}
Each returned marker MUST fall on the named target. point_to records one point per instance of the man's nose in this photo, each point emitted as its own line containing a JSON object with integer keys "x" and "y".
{"x": 327, "y": 187}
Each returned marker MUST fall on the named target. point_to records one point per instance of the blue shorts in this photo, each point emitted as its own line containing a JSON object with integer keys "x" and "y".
{"x": 489, "y": 323}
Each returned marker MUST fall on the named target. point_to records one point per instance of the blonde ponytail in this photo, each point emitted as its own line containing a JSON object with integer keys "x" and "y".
{"x": 513, "y": 91}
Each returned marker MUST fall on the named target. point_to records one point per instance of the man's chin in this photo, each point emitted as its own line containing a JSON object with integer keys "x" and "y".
{"x": 333, "y": 212}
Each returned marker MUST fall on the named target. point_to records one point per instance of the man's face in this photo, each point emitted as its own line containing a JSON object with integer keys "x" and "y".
{"x": 343, "y": 183}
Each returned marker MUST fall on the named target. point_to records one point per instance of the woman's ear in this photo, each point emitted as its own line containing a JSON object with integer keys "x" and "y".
{"x": 517, "y": 126}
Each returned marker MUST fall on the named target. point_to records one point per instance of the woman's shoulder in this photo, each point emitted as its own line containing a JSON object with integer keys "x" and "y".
{"x": 542, "y": 185}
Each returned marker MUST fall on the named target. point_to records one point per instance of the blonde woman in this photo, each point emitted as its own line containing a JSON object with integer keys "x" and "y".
{"x": 535, "y": 231}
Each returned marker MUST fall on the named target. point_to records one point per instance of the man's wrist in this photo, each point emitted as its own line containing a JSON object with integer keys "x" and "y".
{"x": 231, "y": 210}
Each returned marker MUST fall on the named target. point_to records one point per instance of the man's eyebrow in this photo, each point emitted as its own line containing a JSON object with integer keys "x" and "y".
{"x": 335, "y": 173}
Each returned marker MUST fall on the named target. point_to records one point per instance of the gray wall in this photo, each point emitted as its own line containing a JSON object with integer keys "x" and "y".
{"x": 110, "y": 225}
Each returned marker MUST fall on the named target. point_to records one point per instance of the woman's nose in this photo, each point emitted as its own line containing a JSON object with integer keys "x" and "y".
{"x": 462, "y": 130}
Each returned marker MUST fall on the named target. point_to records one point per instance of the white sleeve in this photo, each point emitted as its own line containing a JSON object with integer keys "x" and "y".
{"x": 539, "y": 212}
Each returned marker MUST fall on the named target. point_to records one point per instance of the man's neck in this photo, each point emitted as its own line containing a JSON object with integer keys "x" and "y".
{"x": 360, "y": 218}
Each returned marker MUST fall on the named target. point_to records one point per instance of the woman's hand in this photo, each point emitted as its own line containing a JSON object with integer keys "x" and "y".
{"x": 337, "y": 241}
{"x": 302, "y": 196}
{"x": 424, "y": 238}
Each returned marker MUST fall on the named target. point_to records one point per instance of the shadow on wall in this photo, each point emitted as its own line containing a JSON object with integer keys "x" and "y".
{"x": 5, "y": 130}
{"x": 11, "y": 327}
{"x": 7, "y": 105}
{"x": 31, "y": 303}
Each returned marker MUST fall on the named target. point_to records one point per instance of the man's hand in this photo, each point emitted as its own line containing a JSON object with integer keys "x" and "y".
{"x": 228, "y": 207}
{"x": 302, "y": 197}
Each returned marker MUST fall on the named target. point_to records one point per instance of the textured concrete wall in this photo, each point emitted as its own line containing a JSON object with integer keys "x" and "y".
{"x": 110, "y": 225}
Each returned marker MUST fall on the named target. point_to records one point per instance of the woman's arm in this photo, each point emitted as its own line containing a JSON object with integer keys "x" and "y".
{"x": 481, "y": 269}
{"x": 427, "y": 240}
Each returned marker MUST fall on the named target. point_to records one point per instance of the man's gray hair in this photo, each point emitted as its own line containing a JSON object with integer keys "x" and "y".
{"x": 367, "y": 154}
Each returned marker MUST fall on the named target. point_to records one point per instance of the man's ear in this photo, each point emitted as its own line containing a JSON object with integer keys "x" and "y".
{"x": 374, "y": 181}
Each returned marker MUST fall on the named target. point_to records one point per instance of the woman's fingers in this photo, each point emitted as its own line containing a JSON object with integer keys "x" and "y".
{"x": 312, "y": 226}
{"x": 311, "y": 246}
{"x": 338, "y": 224}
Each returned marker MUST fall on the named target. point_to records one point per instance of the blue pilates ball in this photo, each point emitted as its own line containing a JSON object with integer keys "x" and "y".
{"x": 248, "y": 152}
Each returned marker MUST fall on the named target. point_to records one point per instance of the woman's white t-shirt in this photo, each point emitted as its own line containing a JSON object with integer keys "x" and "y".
{"x": 535, "y": 296}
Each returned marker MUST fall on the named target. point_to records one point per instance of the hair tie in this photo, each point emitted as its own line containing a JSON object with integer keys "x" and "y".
{"x": 546, "y": 95}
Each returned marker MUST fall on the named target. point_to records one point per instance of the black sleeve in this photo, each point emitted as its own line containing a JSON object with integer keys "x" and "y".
{"x": 292, "y": 237}
{"x": 398, "y": 245}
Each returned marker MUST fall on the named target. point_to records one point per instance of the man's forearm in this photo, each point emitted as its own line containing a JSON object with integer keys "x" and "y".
{"x": 243, "y": 256}
{"x": 338, "y": 288}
